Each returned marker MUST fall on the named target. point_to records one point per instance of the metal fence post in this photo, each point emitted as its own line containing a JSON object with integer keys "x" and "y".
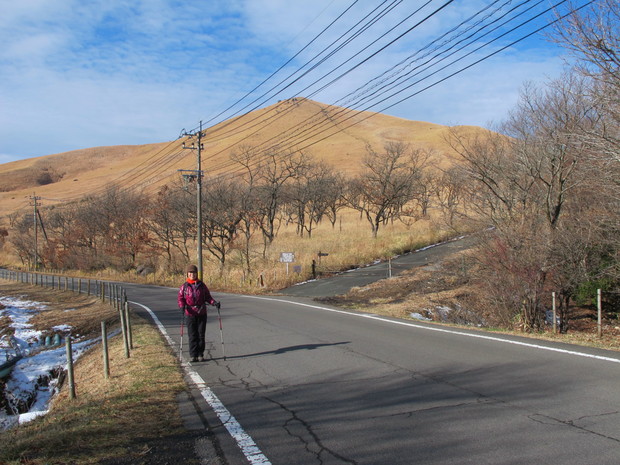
{"x": 70, "y": 368}
{"x": 124, "y": 330}
{"x": 128, "y": 321}
{"x": 599, "y": 306}
{"x": 106, "y": 357}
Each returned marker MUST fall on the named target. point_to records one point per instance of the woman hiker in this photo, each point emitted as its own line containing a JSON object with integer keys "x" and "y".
{"x": 193, "y": 299}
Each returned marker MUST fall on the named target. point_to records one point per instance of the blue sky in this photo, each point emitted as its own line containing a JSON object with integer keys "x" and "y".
{"x": 77, "y": 74}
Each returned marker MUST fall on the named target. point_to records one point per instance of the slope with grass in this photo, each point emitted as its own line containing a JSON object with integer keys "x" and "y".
{"x": 332, "y": 134}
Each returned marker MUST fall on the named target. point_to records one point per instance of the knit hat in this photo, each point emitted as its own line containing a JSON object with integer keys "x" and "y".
{"x": 191, "y": 269}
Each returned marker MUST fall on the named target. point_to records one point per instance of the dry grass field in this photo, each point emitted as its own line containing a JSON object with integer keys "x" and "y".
{"x": 64, "y": 177}
{"x": 348, "y": 244}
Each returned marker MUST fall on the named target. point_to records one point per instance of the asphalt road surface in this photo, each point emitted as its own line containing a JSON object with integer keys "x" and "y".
{"x": 304, "y": 383}
{"x": 359, "y": 277}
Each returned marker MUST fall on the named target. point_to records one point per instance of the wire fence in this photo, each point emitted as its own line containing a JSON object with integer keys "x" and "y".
{"x": 112, "y": 293}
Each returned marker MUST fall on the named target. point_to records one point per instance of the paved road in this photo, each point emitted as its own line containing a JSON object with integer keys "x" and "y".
{"x": 341, "y": 283}
{"x": 309, "y": 384}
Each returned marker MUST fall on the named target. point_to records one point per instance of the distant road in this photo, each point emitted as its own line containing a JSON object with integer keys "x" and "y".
{"x": 343, "y": 282}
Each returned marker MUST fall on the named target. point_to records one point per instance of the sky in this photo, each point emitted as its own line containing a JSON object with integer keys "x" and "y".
{"x": 77, "y": 74}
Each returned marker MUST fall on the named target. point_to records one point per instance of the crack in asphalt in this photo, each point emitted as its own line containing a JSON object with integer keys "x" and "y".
{"x": 311, "y": 441}
{"x": 308, "y": 445}
{"x": 548, "y": 420}
{"x": 410, "y": 413}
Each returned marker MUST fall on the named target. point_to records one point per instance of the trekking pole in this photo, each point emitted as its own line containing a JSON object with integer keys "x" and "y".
{"x": 217, "y": 305}
{"x": 182, "y": 324}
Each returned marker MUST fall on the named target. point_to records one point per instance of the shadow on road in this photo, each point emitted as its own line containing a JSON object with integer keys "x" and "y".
{"x": 283, "y": 350}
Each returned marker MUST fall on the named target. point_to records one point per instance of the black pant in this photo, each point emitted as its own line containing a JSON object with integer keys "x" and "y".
{"x": 196, "y": 329}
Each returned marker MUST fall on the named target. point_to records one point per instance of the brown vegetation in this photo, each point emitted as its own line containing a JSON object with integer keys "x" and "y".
{"x": 451, "y": 292}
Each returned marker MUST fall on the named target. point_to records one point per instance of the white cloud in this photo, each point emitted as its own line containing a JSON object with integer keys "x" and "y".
{"x": 107, "y": 72}
{"x": 481, "y": 95}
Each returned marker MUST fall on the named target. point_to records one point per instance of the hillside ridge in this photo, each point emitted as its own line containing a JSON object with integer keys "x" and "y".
{"x": 335, "y": 135}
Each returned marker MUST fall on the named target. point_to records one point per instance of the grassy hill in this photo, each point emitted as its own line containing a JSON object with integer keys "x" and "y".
{"x": 333, "y": 134}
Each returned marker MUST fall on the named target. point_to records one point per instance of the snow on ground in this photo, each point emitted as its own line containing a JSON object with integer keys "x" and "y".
{"x": 34, "y": 379}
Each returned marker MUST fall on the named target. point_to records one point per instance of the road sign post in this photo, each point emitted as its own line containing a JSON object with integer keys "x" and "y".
{"x": 287, "y": 257}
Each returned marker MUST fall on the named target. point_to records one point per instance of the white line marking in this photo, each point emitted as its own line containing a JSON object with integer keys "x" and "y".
{"x": 244, "y": 441}
{"x": 441, "y": 330}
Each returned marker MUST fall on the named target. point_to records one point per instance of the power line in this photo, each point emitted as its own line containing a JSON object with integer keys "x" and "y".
{"x": 459, "y": 71}
{"x": 363, "y": 27}
{"x": 451, "y": 74}
{"x": 352, "y": 104}
{"x": 381, "y": 13}
{"x": 322, "y": 120}
{"x": 387, "y": 89}
{"x": 281, "y": 67}
{"x": 360, "y": 24}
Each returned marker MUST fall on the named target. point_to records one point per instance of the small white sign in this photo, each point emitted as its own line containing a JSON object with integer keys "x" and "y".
{"x": 287, "y": 257}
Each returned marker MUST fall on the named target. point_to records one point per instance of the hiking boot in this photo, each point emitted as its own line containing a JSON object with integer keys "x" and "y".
{"x": 201, "y": 359}
{"x": 194, "y": 359}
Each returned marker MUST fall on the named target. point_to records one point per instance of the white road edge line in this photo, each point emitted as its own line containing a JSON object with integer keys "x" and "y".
{"x": 243, "y": 440}
{"x": 441, "y": 330}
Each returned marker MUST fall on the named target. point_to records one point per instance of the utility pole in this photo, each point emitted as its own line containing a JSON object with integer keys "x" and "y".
{"x": 34, "y": 199}
{"x": 198, "y": 147}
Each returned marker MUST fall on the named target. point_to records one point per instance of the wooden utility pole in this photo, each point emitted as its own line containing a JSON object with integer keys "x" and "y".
{"x": 34, "y": 199}
{"x": 198, "y": 147}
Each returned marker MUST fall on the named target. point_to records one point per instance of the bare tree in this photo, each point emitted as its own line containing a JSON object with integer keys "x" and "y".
{"x": 224, "y": 208}
{"x": 528, "y": 185}
{"x": 274, "y": 171}
{"x": 592, "y": 35}
{"x": 22, "y": 237}
{"x": 333, "y": 195}
{"x": 268, "y": 172}
{"x": 387, "y": 186}
{"x": 514, "y": 273}
{"x": 60, "y": 249}
{"x": 247, "y": 158}
{"x": 121, "y": 216}
{"x": 547, "y": 150}
{"x": 311, "y": 195}
{"x": 171, "y": 220}
{"x": 449, "y": 189}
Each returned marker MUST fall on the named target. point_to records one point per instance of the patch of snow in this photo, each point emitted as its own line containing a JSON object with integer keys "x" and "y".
{"x": 62, "y": 328}
{"x": 19, "y": 312}
{"x": 34, "y": 379}
{"x": 443, "y": 312}
{"x": 419, "y": 316}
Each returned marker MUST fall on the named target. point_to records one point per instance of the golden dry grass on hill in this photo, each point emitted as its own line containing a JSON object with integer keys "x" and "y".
{"x": 292, "y": 124}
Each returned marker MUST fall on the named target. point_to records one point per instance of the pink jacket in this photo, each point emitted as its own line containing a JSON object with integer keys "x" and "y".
{"x": 194, "y": 298}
